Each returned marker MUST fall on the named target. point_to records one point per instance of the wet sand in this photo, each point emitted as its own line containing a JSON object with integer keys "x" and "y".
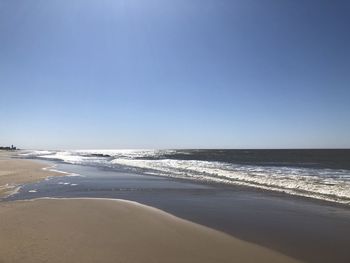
{"x": 14, "y": 172}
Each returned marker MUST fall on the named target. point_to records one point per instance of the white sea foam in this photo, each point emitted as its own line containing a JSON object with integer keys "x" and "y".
{"x": 75, "y": 175}
{"x": 36, "y": 153}
{"x": 328, "y": 184}
{"x": 98, "y": 156}
{"x": 74, "y": 158}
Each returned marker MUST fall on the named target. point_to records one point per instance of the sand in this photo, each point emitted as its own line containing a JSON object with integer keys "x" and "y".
{"x": 14, "y": 172}
{"x": 106, "y": 230}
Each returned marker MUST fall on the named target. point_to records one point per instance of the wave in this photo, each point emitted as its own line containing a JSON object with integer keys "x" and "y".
{"x": 321, "y": 183}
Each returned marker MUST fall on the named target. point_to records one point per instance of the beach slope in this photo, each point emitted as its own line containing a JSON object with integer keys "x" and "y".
{"x": 105, "y": 230}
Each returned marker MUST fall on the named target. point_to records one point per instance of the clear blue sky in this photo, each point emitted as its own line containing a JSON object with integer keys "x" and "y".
{"x": 175, "y": 73}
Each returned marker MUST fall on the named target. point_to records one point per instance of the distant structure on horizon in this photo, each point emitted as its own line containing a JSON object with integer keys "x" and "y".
{"x": 8, "y": 148}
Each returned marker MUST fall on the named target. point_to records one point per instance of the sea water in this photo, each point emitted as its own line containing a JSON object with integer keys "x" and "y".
{"x": 320, "y": 174}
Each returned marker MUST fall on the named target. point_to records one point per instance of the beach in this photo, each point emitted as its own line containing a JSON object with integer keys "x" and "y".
{"x": 306, "y": 229}
{"x": 100, "y": 230}
{"x": 105, "y": 230}
{"x": 14, "y": 172}
{"x": 174, "y": 131}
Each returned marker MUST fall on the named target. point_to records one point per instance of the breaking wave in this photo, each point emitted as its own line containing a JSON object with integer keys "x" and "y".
{"x": 315, "y": 182}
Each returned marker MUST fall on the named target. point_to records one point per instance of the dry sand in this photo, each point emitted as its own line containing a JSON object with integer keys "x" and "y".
{"x": 14, "y": 172}
{"x": 105, "y": 230}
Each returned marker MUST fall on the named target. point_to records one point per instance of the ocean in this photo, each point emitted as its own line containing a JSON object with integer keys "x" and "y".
{"x": 318, "y": 174}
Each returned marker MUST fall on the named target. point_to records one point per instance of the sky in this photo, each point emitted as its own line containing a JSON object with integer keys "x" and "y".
{"x": 85, "y": 74}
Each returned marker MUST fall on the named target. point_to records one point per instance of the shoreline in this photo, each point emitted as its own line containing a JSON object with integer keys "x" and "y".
{"x": 16, "y": 172}
{"x": 107, "y": 230}
{"x": 310, "y": 231}
{"x": 238, "y": 187}
{"x": 301, "y": 228}
{"x": 331, "y": 196}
